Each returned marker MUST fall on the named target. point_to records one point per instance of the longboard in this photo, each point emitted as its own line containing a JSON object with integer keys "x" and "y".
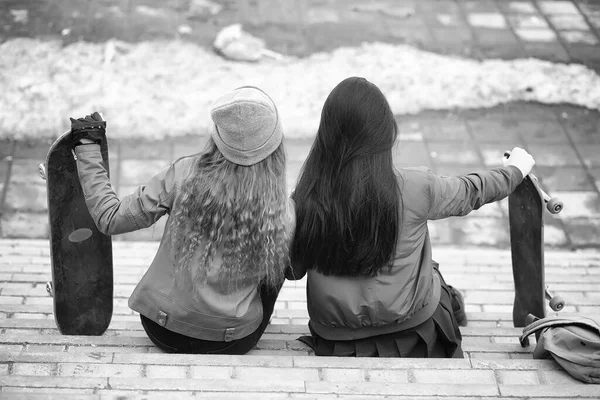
{"x": 81, "y": 256}
{"x": 525, "y": 209}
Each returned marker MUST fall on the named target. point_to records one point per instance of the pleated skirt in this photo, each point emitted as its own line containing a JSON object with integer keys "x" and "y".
{"x": 438, "y": 337}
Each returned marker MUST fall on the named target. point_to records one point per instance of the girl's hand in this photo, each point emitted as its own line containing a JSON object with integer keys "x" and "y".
{"x": 91, "y": 129}
{"x": 520, "y": 159}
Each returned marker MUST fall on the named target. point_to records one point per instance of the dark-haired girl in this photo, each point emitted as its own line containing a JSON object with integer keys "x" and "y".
{"x": 362, "y": 238}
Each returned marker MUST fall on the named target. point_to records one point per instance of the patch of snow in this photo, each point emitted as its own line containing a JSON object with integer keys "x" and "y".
{"x": 166, "y": 88}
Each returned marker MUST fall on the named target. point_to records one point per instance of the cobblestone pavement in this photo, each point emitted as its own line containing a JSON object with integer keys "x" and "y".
{"x": 565, "y": 140}
{"x": 35, "y": 360}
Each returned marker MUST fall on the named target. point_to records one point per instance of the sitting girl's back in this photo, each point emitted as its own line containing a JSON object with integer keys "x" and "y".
{"x": 361, "y": 233}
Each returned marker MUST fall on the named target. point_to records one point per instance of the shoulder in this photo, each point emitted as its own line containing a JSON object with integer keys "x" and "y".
{"x": 415, "y": 187}
{"x": 414, "y": 177}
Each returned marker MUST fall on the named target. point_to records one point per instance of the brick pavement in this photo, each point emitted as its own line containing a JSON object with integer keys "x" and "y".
{"x": 35, "y": 360}
{"x": 565, "y": 141}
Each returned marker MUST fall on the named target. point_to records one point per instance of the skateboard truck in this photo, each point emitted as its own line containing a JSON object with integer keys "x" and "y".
{"x": 49, "y": 289}
{"x": 553, "y": 205}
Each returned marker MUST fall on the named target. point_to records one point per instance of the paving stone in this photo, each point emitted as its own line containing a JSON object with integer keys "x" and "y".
{"x": 527, "y": 21}
{"x": 6, "y": 148}
{"x": 290, "y": 385}
{"x": 547, "y": 51}
{"x": 584, "y": 53}
{"x": 536, "y": 35}
{"x": 211, "y": 372}
{"x": 579, "y": 37}
{"x": 410, "y": 389}
{"x": 456, "y": 169}
{"x": 582, "y": 126}
{"x": 135, "y": 149}
{"x": 492, "y": 153}
{"x": 583, "y": 232}
{"x": 382, "y": 375}
{"x": 558, "y": 7}
{"x": 555, "y": 236}
{"x": 138, "y": 172}
{"x": 453, "y": 153}
{"x": 590, "y": 154}
{"x": 524, "y": 7}
{"x": 564, "y": 179}
{"x": 569, "y": 22}
{"x": 448, "y": 20}
{"x": 24, "y": 225}
{"x": 3, "y": 176}
{"x": 579, "y": 205}
{"x": 553, "y": 155}
{"x": 445, "y": 129}
{"x": 493, "y": 130}
{"x": 463, "y": 376}
{"x": 554, "y": 390}
{"x": 518, "y": 377}
{"x": 26, "y": 197}
{"x": 453, "y": 40}
{"x": 187, "y": 145}
{"x": 496, "y": 39}
{"x": 53, "y": 382}
{"x": 25, "y": 171}
{"x": 408, "y": 32}
{"x": 487, "y": 20}
{"x": 34, "y": 369}
{"x": 595, "y": 172}
{"x": 557, "y": 377}
{"x": 544, "y": 131}
{"x": 32, "y": 149}
{"x": 342, "y": 375}
{"x": 167, "y": 371}
{"x": 483, "y": 6}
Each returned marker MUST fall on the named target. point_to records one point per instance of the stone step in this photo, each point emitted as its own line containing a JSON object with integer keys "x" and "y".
{"x": 290, "y": 376}
{"x": 477, "y": 342}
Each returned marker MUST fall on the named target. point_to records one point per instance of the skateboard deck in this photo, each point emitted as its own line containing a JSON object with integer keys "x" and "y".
{"x": 81, "y": 256}
{"x": 525, "y": 209}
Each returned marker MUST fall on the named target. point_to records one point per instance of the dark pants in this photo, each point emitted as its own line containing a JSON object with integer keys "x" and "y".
{"x": 172, "y": 342}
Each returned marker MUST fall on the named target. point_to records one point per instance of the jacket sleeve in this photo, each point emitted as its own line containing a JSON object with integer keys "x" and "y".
{"x": 135, "y": 211}
{"x": 458, "y": 196}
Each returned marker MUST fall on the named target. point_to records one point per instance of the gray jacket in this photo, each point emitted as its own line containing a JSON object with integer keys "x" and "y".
{"x": 346, "y": 308}
{"x": 224, "y": 311}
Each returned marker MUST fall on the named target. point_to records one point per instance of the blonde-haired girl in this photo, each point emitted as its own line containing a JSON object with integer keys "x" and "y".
{"x": 214, "y": 281}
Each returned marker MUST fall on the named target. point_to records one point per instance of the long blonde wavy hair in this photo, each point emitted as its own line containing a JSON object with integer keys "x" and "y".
{"x": 242, "y": 208}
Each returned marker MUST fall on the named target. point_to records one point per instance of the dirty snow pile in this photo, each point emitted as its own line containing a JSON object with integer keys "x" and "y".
{"x": 165, "y": 88}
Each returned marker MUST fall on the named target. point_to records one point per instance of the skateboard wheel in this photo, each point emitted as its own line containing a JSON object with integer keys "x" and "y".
{"x": 49, "y": 289}
{"x": 42, "y": 171}
{"x": 554, "y": 206}
{"x": 557, "y": 303}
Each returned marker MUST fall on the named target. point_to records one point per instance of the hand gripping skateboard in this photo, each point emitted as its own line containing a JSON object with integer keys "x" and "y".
{"x": 525, "y": 209}
{"x": 81, "y": 256}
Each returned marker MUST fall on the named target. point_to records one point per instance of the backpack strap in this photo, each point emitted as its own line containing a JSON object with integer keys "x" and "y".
{"x": 549, "y": 322}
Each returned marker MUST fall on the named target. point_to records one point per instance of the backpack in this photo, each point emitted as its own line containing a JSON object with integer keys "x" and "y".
{"x": 573, "y": 342}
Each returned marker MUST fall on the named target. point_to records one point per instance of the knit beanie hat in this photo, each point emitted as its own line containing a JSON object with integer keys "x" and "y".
{"x": 247, "y": 127}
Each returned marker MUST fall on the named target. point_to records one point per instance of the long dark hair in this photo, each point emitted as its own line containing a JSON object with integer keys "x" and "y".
{"x": 348, "y": 202}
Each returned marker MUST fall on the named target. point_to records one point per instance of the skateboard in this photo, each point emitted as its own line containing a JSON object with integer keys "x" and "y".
{"x": 81, "y": 256}
{"x": 525, "y": 209}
